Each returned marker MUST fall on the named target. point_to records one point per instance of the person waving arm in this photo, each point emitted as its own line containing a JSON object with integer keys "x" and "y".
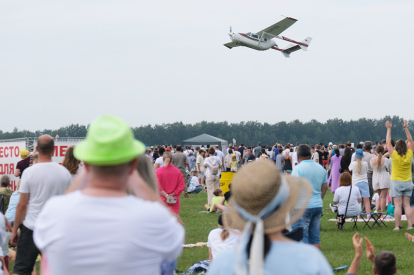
{"x": 409, "y": 137}
{"x": 388, "y": 139}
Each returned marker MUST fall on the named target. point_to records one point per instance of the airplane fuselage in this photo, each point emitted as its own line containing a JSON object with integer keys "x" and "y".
{"x": 252, "y": 41}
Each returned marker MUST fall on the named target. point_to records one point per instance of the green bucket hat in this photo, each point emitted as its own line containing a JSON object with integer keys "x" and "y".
{"x": 109, "y": 141}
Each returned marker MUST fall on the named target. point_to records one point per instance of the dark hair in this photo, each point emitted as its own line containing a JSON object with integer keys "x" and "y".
{"x": 359, "y": 146}
{"x": 230, "y": 151}
{"x": 392, "y": 143}
{"x": 266, "y": 246}
{"x": 385, "y": 263}
{"x": 368, "y": 145}
{"x": 197, "y": 148}
{"x": 178, "y": 148}
{"x": 208, "y": 145}
{"x": 401, "y": 147}
{"x": 263, "y": 151}
{"x": 224, "y": 233}
{"x": 45, "y": 147}
{"x": 242, "y": 144}
{"x": 303, "y": 151}
{"x": 269, "y": 148}
{"x": 211, "y": 151}
{"x": 161, "y": 151}
{"x": 337, "y": 152}
{"x": 220, "y": 220}
{"x": 280, "y": 150}
{"x": 5, "y": 181}
{"x": 347, "y": 152}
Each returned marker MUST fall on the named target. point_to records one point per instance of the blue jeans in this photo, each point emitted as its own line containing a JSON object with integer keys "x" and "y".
{"x": 311, "y": 223}
{"x": 196, "y": 190}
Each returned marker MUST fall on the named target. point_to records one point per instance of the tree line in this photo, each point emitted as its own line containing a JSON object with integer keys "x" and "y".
{"x": 250, "y": 132}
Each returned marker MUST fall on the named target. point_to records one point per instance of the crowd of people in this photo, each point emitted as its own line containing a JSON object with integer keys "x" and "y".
{"x": 113, "y": 206}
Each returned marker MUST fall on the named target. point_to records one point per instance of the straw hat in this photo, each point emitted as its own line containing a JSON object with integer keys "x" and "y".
{"x": 255, "y": 186}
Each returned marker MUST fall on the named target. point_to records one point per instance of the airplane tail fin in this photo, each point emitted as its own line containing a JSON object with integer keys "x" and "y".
{"x": 307, "y": 41}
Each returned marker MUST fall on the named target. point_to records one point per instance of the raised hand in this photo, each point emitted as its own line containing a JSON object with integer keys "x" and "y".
{"x": 405, "y": 124}
{"x": 357, "y": 242}
{"x": 370, "y": 250}
{"x": 388, "y": 124}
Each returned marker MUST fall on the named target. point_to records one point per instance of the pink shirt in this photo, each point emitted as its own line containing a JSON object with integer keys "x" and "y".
{"x": 170, "y": 180}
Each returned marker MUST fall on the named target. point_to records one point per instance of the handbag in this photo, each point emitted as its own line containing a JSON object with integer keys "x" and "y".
{"x": 214, "y": 169}
{"x": 341, "y": 218}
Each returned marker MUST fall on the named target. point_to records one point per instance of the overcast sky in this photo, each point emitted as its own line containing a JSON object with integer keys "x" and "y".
{"x": 162, "y": 61}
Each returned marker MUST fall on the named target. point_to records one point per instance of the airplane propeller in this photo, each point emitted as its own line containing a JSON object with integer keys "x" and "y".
{"x": 231, "y": 33}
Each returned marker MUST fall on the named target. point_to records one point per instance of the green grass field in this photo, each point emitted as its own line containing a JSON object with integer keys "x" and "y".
{"x": 336, "y": 245}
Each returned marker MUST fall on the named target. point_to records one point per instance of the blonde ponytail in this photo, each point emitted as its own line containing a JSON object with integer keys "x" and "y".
{"x": 359, "y": 165}
{"x": 167, "y": 157}
{"x": 224, "y": 234}
{"x": 380, "y": 151}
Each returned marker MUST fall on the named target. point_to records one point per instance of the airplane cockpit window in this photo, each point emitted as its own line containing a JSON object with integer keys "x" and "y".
{"x": 255, "y": 36}
{"x": 249, "y": 33}
{"x": 265, "y": 39}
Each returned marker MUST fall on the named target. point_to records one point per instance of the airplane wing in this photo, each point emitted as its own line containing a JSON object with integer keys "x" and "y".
{"x": 231, "y": 45}
{"x": 277, "y": 28}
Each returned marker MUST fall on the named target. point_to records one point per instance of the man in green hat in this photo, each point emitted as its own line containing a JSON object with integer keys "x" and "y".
{"x": 100, "y": 229}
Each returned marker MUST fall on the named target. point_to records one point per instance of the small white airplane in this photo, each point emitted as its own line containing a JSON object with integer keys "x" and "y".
{"x": 263, "y": 40}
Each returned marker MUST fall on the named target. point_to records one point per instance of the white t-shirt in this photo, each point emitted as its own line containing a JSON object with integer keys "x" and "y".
{"x": 160, "y": 161}
{"x": 200, "y": 160}
{"x": 217, "y": 245}
{"x": 82, "y": 234}
{"x": 210, "y": 162}
{"x": 42, "y": 181}
{"x": 294, "y": 159}
{"x": 341, "y": 196}
{"x": 220, "y": 154}
{"x": 237, "y": 155}
{"x": 316, "y": 156}
{"x": 362, "y": 177}
{"x": 193, "y": 184}
{"x": 353, "y": 157}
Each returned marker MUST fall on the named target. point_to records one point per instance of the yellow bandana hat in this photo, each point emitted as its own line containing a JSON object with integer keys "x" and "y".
{"x": 24, "y": 153}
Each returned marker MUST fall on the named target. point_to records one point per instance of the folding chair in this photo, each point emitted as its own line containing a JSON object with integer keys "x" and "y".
{"x": 341, "y": 221}
{"x": 376, "y": 218}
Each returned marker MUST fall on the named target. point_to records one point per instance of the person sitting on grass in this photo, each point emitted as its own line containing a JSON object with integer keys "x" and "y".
{"x": 215, "y": 201}
{"x": 343, "y": 193}
{"x": 383, "y": 264}
{"x": 220, "y": 239}
{"x": 195, "y": 187}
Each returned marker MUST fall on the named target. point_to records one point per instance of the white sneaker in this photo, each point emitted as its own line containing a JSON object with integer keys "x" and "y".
{"x": 334, "y": 208}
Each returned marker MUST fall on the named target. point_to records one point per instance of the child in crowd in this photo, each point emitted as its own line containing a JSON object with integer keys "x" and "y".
{"x": 375, "y": 200}
{"x": 216, "y": 201}
{"x": 194, "y": 187}
{"x": 234, "y": 163}
{"x": 191, "y": 161}
{"x": 384, "y": 263}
